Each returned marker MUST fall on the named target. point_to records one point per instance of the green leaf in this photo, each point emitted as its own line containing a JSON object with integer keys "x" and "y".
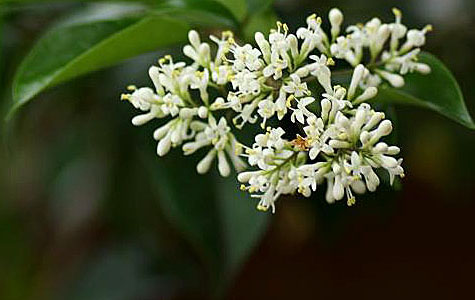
{"x": 213, "y": 215}
{"x": 101, "y": 36}
{"x": 438, "y": 91}
{"x": 242, "y": 224}
{"x": 258, "y": 6}
{"x": 262, "y": 22}
{"x": 237, "y": 7}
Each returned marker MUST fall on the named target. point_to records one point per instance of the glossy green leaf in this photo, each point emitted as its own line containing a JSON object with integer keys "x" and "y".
{"x": 438, "y": 91}
{"x": 102, "y": 36}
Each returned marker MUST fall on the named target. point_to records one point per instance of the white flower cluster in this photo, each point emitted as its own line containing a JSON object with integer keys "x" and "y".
{"x": 286, "y": 76}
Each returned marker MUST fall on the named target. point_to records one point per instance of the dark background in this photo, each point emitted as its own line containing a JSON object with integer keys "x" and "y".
{"x": 75, "y": 199}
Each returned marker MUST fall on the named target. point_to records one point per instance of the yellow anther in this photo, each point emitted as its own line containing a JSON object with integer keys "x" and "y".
{"x": 242, "y": 187}
{"x": 262, "y": 208}
{"x": 428, "y": 28}
{"x": 125, "y": 97}
{"x": 168, "y": 57}
{"x": 227, "y": 34}
{"x": 351, "y": 201}
{"x": 402, "y": 175}
{"x": 131, "y": 88}
{"x": 312, "y": 17}
{"x": 289, "y": 101}
{"x": 285, "y": 27}
{"x": 397, "y": 12}
{"x": 279, "y": 24}
{"x": 162, "y": 61}
{"x": 319, "y": 21}
{"x": 330, "y": 62}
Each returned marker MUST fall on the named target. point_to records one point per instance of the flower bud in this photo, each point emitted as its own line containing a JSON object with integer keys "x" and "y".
{"x": 191, "y": 53}
{"x": 381, "y": 148}
{"x": 244, "y": 177}
{"x": 336, "y": 144}
{"x": 365, "y": 137}
{"x": 385, "y": 128}
{"x": 355, "y": 80}
{"x": 194, "y": 38}
{"x": 223, "y": 165}
{"x": 336, "y": 17}
{"x": 142, "y": 119}
{"x": 375, "y": 119}
{"x": 369, "y": 93}
{"x": 358, "y": 186}
{"x": 164, "y": 145}
{"x": 204, "y": 165}
{"x": 204, "y": 51}
{"x": 294, "y": 45}
{"x": 176, "y": 134}
{"x": 203, "y": 112}
{"x": 423, "y": 68}
{"x": 372, "y": 180}
{"x": 187, "y": 113}
{"x": 160, "y": 132}
{"x": 338, "y": 190}
{"x": 326, "y": 107}
{"x": 154, "y": 74}
{"x": 395, "y": 80}
{"x": 393, "y": 150}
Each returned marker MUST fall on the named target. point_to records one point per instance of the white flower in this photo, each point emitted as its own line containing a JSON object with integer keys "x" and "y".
{"x": 301, "y": 111}
{"x": 246, "y": 82}
{"x": 246, "y": 57}
{"x": 275, "y": 67}
{"x": 296, "y": 87}
{"x": 171, "y": 104}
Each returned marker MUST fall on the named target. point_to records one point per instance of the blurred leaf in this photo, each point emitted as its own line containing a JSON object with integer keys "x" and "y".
{"x": 262, "y": 22}
{"x": 187, "y": 201}
{"x": 213, "y": 215}
{"x": 199, "y": 12}
{"x": 91, "y": 40}
{"x": 117, "y": 274}
{"x": 438, "y": 91}
{"x": 257, "y": 6}
{"x": 242, "y": 224}
{"x": 237, "y": 7}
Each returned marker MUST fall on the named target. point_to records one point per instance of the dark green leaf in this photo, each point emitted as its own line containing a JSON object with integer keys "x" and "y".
{"x": 242, "y": 224}
{"x": 100, "y": 37}
{"x": 438, "y": 91}
{"x": 216, "y": 218}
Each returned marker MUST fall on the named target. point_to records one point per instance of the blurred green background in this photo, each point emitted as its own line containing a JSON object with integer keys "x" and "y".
{"x": 87, "y": 211}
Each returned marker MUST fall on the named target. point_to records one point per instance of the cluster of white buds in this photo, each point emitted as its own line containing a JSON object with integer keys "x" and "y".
{"x": 286, "y": 76}
{"x": 389, "y": 58}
